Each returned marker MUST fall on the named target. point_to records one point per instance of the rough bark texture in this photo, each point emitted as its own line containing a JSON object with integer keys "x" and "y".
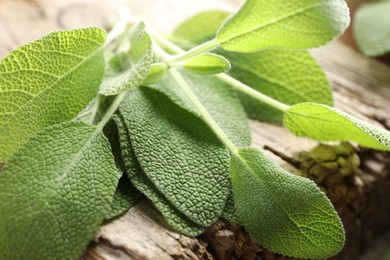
{"x": 357, "y": 180}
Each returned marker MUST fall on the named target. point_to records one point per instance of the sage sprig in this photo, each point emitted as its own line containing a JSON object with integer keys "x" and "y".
{"x": 174, "y": 122}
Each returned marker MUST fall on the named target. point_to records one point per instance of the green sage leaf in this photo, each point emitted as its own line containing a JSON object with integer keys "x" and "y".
{"x": 198, "y": 29}
{"x": 270, "y": 72}
{"x": 217, "y": 97}
{"x": 47, "y": 82}
{"x": 324, "y": 123}
{"x": 207, "y": 64}
{"x": 286, "y": 213}
{"x": 276, "y": 23}
{"x": 175, "y": 218}
{"x": 126, "y": 195}
{"x": 372, "y": 28}
{"x": 54, "y": 192}
{"x": 179, "y": 154}
{"x": 140, "y": 58}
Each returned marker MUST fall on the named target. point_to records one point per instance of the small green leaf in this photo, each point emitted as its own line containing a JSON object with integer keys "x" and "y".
{"x": 324, "y": 123}
{"x": 276, "y": 23}
{"x": 157, "y": 73}
{"x": 179, "y": 153}
{"x": 175, "y": 218}
{"x": 372, "y": 28}
{"x": 199, "y": 28}
{"x": 47, "y": 82}
{"x": 207, "y": 64}
{"x": 140, "y": 59}
{"x": 287, "y": 75}
{"x": 54, "y": 192}
{"x": 229, "y": 212}
{"x": 286, "y": 213}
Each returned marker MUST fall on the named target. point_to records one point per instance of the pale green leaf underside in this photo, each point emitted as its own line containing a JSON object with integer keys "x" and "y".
{"x": 207, "y": 64}
{"x": 285, "y": 213}
{"x": 46, "y": 82}
{"x": 218, "y": 98}
{"x": 325, "y": 123}
{"x": 279, "y": 23}
{"x": 141, "y": 58}
{"x": 198, "y": 29}
{"x": 175, "y": 218}
{"x": 289, "y": 76}
{"x": 54, "y": 192}
{"x": 372, "y": 28}
{"x": 179, "y": 154}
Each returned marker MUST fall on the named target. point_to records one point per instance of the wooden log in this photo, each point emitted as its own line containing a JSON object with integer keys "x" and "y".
{"x": 362, "y": 88}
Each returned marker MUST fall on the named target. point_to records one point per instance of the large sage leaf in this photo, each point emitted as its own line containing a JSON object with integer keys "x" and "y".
{"x": 372, "y": 28}
{"x": 270, "y": 72}
{"x": 46, "y": 82}
{"x": 324, "y": 123}
{"x": 139, "y": 58}
{"x": 286, "y": 213}
{"x": 175, "y": 218}
{"x": 179, "y": 154}
{"x": 277, "y": 23}
{"x": 217, "y": 97}
{"x": 54, "y": 193}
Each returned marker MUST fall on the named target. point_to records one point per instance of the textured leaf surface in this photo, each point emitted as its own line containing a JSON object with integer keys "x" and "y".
{"x": 46, "y": 82}
{"x": 287, "y": 214}
{"x": 157, "y": 72}
{"x": 289, "y": 76}
{"x": 175, "y": 218}
{"x": 372, "y": 28}
{"x": 179, "y": 154}
{"x": 199, "y": 28}
{"x": 278, "y": 23}
{"x": 54, "y": 192}
{"x": 325, "y": 123}
{"x": 140, "y": 59}
{"x": 207, "y": 64}
{"x": 126, "y": 195}
{"x": 218, "y": 98}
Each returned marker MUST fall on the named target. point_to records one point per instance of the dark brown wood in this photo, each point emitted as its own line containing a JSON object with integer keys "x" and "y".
{"x": 362, "y": 88}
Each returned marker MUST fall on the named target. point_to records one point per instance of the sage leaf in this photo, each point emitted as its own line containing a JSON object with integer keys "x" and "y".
{"x": 220, "y": 101}
{"x": 198, "y": 29}
{"x": 372, "y": 28}
{"x": 174, "y": 218}
{"x": 157, "y": 73}
{"x": 286, "y": 213}
{"x": 324, "y": 123}
{"x": 207, "y": 64}
{"x": 54, "y": 192}
{"x": 275, "y": 23}
{"x": 140, "y": 58}
{"x": 270, "y": 72}
{"x": 179, "y": 153}
{"x": 126, "y": 195}
{"x": 229, "y": 212}
{"x": 47, "y": 82}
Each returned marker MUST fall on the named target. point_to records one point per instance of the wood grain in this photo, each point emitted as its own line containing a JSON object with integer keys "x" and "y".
{"x": 362, "y": 88}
